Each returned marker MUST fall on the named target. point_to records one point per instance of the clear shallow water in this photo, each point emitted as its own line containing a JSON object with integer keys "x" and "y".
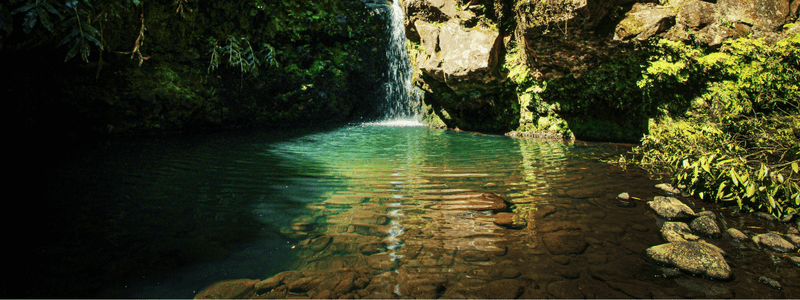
{"x": 165, "y": 217}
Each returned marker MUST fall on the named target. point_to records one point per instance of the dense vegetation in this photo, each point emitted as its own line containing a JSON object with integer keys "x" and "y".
{"x": 738, "y": 141}
{"x": 133, "y": 65}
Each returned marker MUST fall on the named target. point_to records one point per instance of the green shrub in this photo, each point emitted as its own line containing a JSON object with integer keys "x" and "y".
{"x": 738, "y": 141}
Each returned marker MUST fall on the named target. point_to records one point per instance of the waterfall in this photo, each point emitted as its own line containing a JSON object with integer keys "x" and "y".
{"x": 401, "y": 103}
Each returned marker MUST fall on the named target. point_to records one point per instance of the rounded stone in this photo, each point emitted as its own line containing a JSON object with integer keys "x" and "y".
{"x": 563, "y": 243}
{"x": 705, "y": 225}
{"x": 693, "y": 257}
{"x": 671, "y": 208}
{"x": 677, "y": 231}
{"x": 774, "y": 241}
{"x": 736, "y": 234}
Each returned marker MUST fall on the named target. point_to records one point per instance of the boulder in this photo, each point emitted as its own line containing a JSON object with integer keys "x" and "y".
{"x": 469, "y": 54}
{"x": 671, "y": 208}
{"x": 643, "y": 21}
{"x": 695, "y": 14}
{"x": 677, "y": 231}
{"x": 773, "y": 241}
{"x": 564, "y": 242}
{"x": 764, "y": 15}
{"x": 693, "y": 257}
{"x": 705, "y": 225}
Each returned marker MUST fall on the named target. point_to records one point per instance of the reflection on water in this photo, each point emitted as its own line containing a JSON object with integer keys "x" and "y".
{"x": 363, "y": 211}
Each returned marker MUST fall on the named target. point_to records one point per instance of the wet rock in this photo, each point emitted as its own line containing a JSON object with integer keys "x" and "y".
{"x": 228, "y": 289}
{"x": 693, "y": 257}
{"x": 792, "y": 230}
{"x": 705, "y": 225}
{"x": 509, "y": 220}
{"x": 773, "y": 241}
{"x": 770, "y": 282}
{"x": 671, "y": 208}
{"x": 736, "y": 234}
{"x": 795, "y": 260}
{"x": 564, "y": 242}
{"x": 668, "y": 188}
{"x": 707, "y": 213}
{"x": 472, "y": 202}
{"x": 793, "y": 238}
{"x": 624, "y": 196}
{"x": 677, "y": 231}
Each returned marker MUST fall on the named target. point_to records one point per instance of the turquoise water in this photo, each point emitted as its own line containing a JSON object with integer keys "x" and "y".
{"x": 166, "y": 217}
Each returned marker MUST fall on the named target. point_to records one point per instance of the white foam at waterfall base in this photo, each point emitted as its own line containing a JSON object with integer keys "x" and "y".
{"x": 396, "y": 123}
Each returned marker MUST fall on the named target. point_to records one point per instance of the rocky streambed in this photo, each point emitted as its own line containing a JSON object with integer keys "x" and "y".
{"x": 590, "y": 241}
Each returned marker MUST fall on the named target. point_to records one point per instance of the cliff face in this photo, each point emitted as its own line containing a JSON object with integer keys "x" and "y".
{"x": 470, "y": 56}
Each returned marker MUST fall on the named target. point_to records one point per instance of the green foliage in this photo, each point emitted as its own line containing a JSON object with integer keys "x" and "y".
{"x": 738, "y": 142}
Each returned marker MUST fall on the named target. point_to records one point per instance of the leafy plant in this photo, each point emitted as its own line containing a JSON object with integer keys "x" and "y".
{"x": 738, "y": 143}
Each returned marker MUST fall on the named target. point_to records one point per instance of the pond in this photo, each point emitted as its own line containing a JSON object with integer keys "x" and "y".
{"x": 411, "y": 211}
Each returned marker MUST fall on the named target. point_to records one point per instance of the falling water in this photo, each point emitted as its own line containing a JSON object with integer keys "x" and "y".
{"x": 401, "y": 101}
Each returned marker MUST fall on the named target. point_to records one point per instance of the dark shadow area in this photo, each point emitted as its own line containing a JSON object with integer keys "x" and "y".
{"x": 91, "y": 219}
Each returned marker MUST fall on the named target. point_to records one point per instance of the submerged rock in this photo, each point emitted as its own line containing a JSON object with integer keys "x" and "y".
{"x": 736, "y": 234}
{"x": 671, "y": 208}
{"x": 564, "y": 242}
{"x": 509, "y": 220}
{"x": 770, "y": 282}
{"x": 773, "y": 241}
{"x": 705, "y": 225}
{"x": 472, "y": 201}
{"x": 795, "y": 239}
{"x": 228, "y": 289}
{"x": 693, "y": 257}
{"x": 677, "y": 231}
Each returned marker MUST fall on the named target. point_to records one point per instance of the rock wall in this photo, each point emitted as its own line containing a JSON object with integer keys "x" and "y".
{"x": 463, "y": 51}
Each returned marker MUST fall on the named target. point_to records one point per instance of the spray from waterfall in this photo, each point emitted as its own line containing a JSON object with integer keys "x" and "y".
{"x": 401, "y": 105}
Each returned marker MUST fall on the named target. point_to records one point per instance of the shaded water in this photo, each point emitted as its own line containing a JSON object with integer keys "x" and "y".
{"x": 164, "y": 218}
